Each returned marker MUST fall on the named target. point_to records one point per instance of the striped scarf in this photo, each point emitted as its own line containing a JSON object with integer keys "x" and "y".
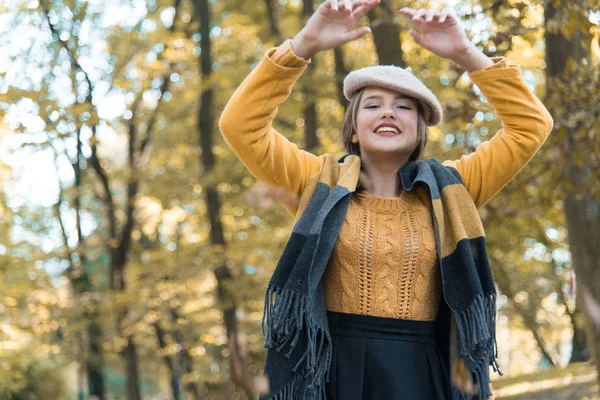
{"x": 297, "y": 338}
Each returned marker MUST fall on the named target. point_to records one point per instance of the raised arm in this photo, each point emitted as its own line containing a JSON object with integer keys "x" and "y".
{"x": 525, "y": 126}
{"x": 246, "y": 122}
{"x": 526, "y": 122}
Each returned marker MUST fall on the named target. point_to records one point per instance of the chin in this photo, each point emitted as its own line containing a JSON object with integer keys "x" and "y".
{"x": 387, "y": 148}
{"x": 386, "y": 152}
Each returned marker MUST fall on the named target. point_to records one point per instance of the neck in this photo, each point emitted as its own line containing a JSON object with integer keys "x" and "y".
{"x": 379, "y": 175}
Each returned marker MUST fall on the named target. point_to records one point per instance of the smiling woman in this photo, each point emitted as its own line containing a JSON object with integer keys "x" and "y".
{"x": 370, "y": 104}
{"x": 384, "y": 290}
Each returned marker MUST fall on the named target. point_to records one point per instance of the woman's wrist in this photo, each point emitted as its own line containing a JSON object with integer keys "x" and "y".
{"x": 472, "y": 59}
{"x": 301, "y": 48}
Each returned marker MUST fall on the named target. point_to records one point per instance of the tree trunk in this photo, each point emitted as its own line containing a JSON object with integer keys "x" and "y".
{"x": 582, "y": 211}
{"x": 138, "y": 154}
{"x": 80, "y": 283}
{"x": 95, "y": 360}
{"x": 310, "y": 120}
{"x": 580, "y": 350}
{"x": 311, "y": 140}
{"x": 129, "y": 354}
{"x": 273, "y": 18}
{"x": 118, "y": 261}
{"x": 192, "y": 387}
{"x": 162, "y": 344}
{"x": 583, "y": 219}
{"x": 186, "y": 361}
{"x": 386, "y": 34}
{"x": 183, "y": 361}
{"x": 340, "y": 74}
{"x": 238, "y": 365}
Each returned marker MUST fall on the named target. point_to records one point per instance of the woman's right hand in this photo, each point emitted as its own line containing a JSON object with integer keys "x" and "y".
{"x": 331, "y": 26}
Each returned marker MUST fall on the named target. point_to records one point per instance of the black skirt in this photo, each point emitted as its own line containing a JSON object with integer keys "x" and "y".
{"x": 378, "y": 358}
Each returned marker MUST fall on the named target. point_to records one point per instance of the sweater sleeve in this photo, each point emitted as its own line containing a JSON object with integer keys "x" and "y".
{"x": 246, "y": 123}
{"x": 526, "y": 124}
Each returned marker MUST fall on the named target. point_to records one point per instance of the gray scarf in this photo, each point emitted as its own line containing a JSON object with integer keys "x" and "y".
{"x": 295, "y": 319}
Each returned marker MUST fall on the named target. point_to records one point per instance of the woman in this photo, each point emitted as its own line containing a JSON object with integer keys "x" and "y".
{"x": 384, "y": 286}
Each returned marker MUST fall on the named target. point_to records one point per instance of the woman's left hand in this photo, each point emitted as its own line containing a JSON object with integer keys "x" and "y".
{"x": 440, "y": 32}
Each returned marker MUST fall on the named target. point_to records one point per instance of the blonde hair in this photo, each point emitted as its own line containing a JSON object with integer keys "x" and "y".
{"x": 349, "y": 128}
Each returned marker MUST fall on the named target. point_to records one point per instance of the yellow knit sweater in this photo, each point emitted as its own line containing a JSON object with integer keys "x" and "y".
{"x": 384, "y": 262}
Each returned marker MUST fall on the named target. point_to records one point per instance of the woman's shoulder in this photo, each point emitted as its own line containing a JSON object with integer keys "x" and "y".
{"x": 334, "y": 170}
{"x": 443, "y": 172}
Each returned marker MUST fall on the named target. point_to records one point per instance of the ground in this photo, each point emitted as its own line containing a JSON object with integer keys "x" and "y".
{"x": 576, "y": 382}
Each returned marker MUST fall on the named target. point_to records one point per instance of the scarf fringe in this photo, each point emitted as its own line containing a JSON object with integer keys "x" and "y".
{"x": 289, "y": 391}
{"x": 494, "y": 356}
{"x": 284, "y": 318}
{"x": 476, "y": 327}
{"x": 482, "y": 374}
{"x": 473, "y": 323}
{"x": 297, "y": 389}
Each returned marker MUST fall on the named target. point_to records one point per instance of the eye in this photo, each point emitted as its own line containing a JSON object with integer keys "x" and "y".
{"x": 372, "y": 106}
{"x": 404, "y": 108}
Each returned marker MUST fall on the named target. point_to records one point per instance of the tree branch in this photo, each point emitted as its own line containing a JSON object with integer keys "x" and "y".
{"x": 135, "y": 163}
{"x": 108, "y": 198}
{"x": 74, "y": 61}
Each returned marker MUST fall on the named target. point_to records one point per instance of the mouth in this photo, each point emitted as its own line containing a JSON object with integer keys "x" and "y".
{"x": 387, "y": 131}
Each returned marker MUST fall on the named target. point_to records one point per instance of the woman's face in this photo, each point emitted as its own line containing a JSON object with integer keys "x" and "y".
{"x": 386, "y": 123}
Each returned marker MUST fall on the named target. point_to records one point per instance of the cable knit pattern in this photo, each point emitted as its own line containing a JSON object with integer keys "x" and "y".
{"x": 426, "y": 288}
{"x": 384, "y": 262}
{"x": 409, "y": 264}
{"x": 388, "y": 275}
{"x": 346, "y": 290}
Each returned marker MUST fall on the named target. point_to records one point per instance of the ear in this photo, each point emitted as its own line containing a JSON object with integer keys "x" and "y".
{"x": 354, "y": 138}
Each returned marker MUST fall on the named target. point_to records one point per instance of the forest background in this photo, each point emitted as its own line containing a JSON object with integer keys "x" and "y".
{"x": 135, "y": 247}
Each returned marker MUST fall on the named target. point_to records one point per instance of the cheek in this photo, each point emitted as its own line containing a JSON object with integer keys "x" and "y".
{"x": 361, "y": 125}
{"x": 413, "y": 122}
{"x": 365, "y": 120}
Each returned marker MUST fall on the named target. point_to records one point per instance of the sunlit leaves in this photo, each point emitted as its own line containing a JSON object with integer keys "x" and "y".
{"x": 127, "y": 51}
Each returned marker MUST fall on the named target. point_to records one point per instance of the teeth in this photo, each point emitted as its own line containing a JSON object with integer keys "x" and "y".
{"x": 387, "y": 129}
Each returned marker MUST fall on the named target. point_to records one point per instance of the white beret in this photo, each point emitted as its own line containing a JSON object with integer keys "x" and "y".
{"x": 399, "y": 80}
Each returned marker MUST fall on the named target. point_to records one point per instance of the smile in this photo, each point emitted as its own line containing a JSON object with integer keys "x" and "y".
{"x": 387, "y": 131}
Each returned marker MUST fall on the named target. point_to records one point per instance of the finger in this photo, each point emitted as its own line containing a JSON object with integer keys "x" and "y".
{"x": 408, "y": 11}
{"x": 347, "y": 6}
{"x": 363, "y": 8}
{"x": 419, "y": 14}
{"x": 365, "y": 3}
{"x": 443, "y": 15}
{"x": 429, "y": 14}
{"x": 333, "y": 4}
{"x": 357, "y": 33}
{"x": 451, "y": 16}
{"x": 416, "y": 37}
{"x": 361, "y": 11}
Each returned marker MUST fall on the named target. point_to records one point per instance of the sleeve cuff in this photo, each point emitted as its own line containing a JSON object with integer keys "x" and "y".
{"x": 285, "y": 56}
{"x": 499, "y": 62}
{"x": 500, "y": 67}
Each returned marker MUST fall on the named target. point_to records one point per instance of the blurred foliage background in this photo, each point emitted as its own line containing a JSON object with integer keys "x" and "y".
{"x": 131, "y": 265}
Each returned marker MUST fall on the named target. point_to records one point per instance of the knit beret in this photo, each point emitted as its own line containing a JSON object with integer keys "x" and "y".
{"x": 399, "y": 80}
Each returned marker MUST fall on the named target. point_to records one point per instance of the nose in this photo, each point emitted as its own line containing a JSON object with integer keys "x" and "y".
{"x": 387, "y": 112}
